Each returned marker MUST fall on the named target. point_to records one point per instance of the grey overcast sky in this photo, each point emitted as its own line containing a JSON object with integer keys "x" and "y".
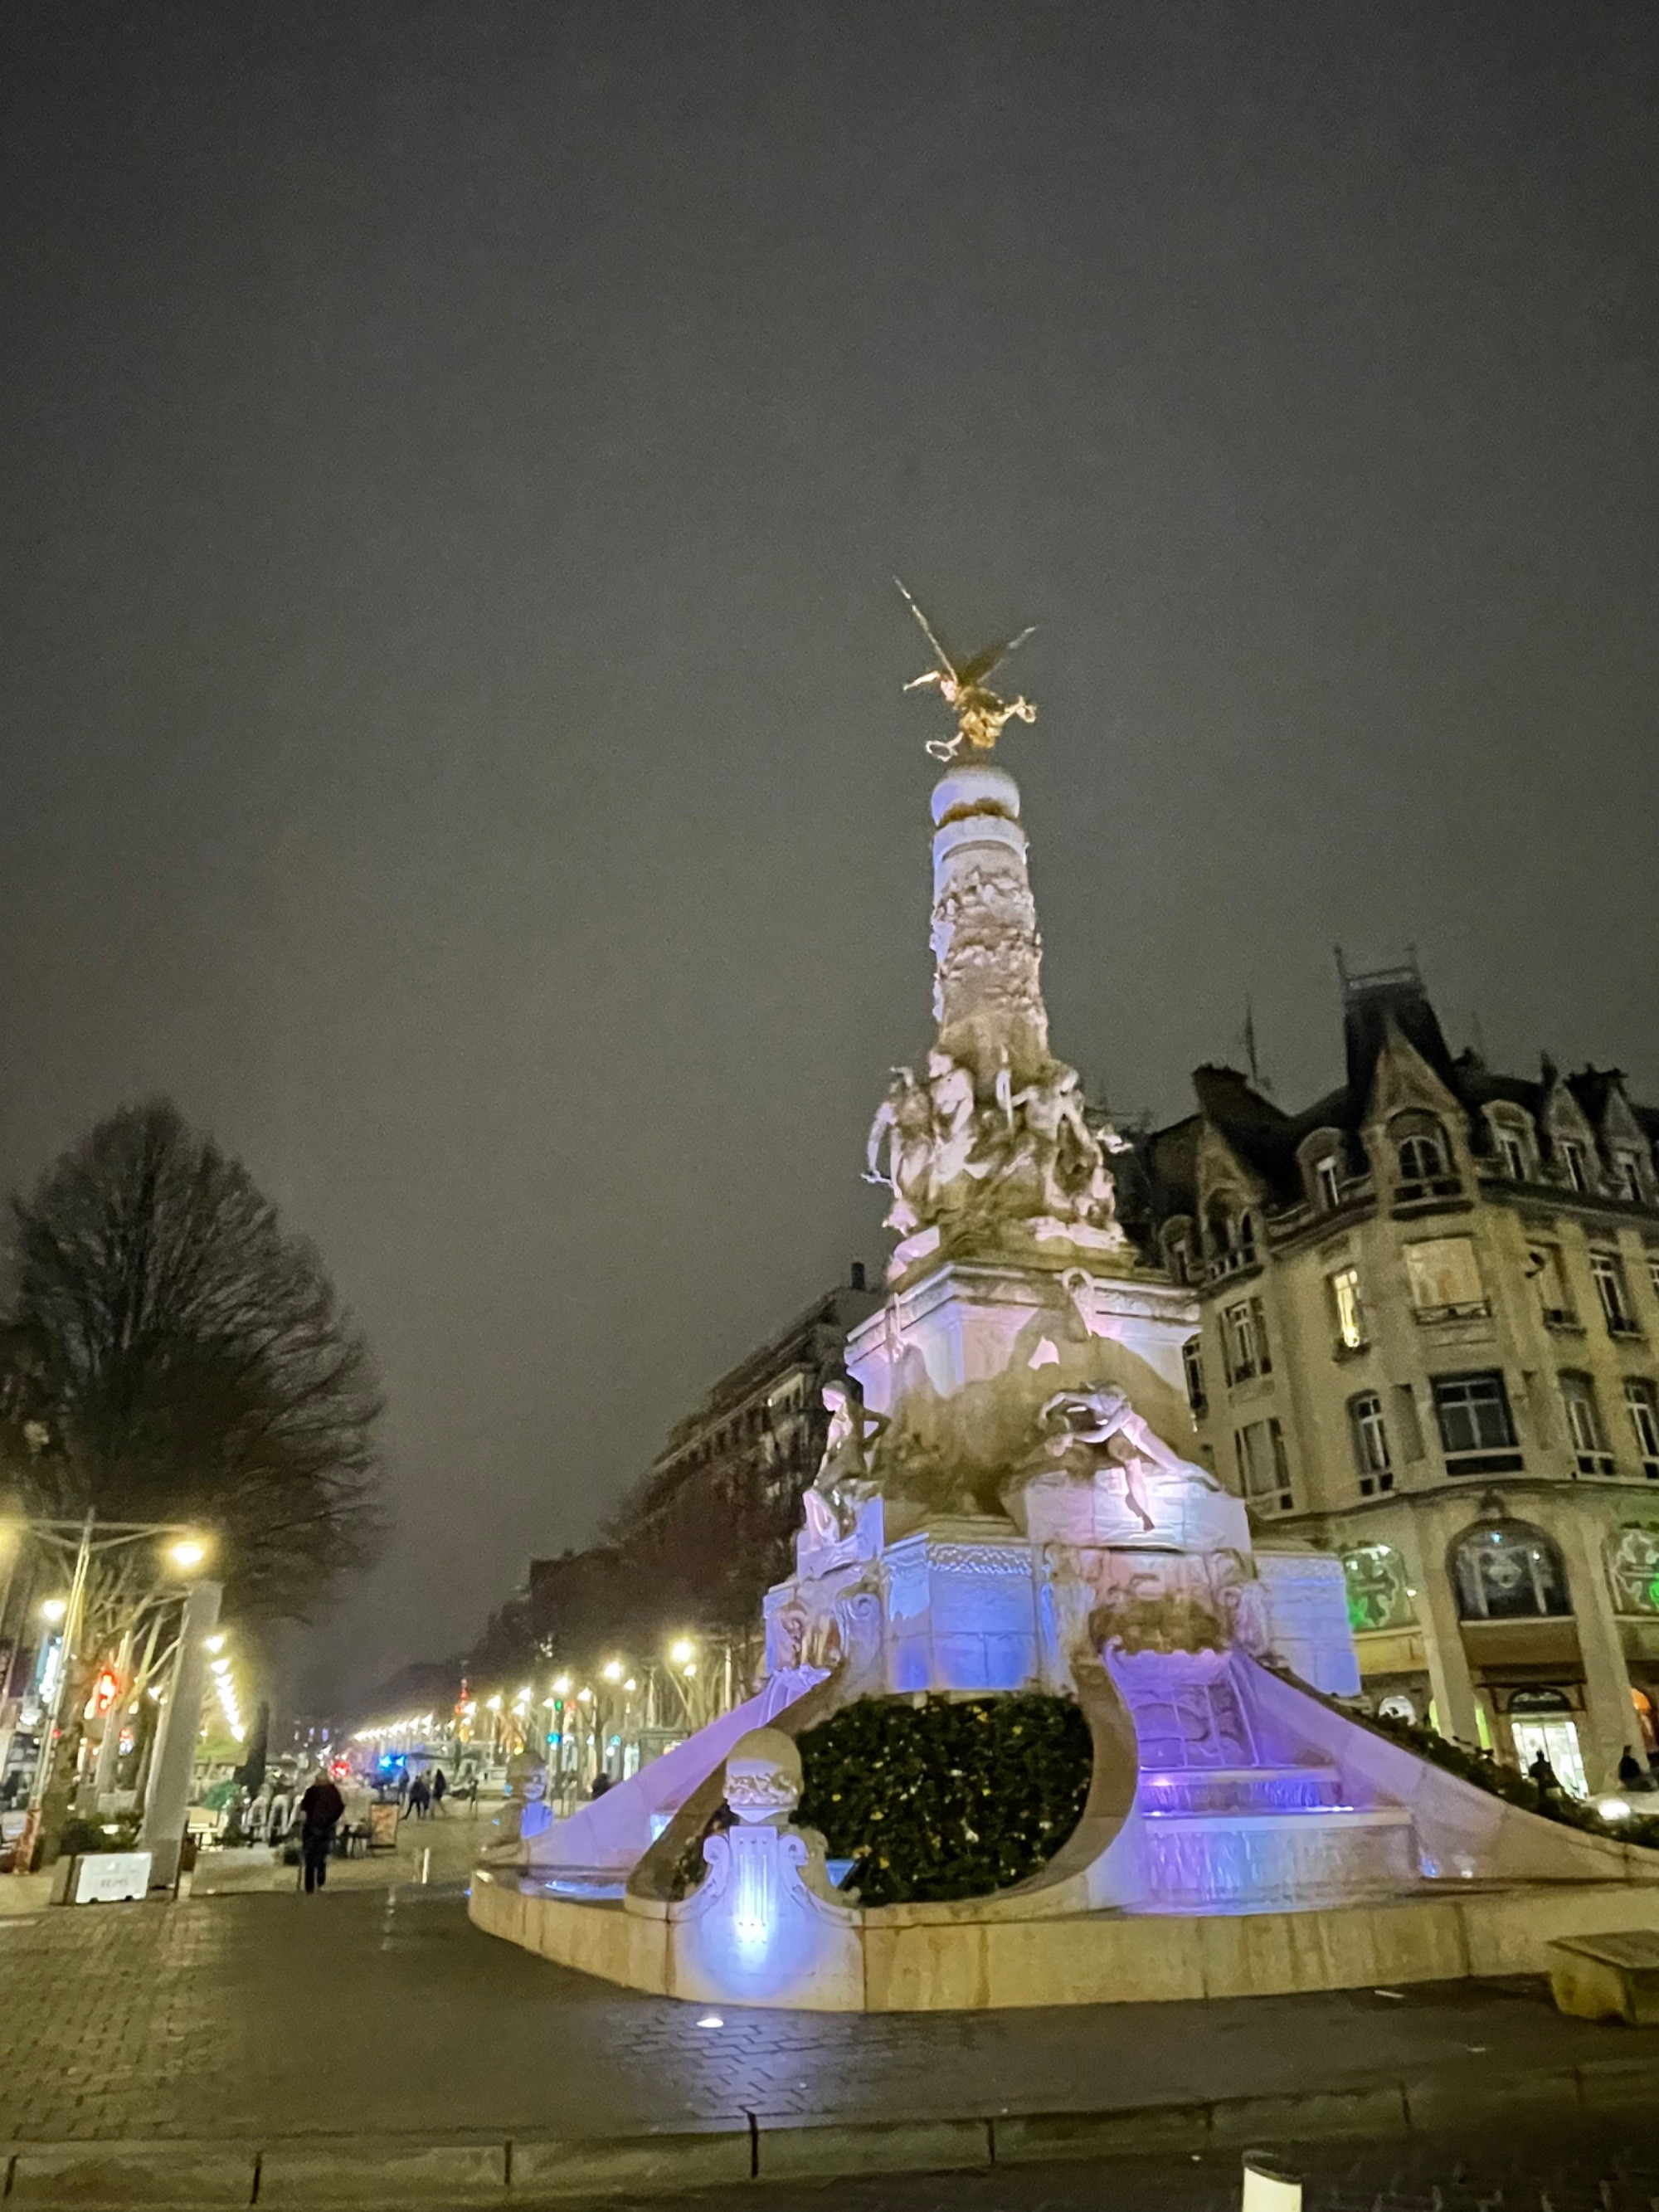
{"x": 454, "y": 456}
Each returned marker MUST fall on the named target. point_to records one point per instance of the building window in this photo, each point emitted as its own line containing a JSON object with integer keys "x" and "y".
{"x": 1264, "y": 1473}
{"x": 1371, "y": 1443}
{"x": 1506, "y": 1570}
{"x": 1633, "y": 1569}
{"x": 1327, "y": 1181}
{"x": 1181, "y": 1266}
{"x": 1627, "y": 1176}
{"x": 1247, "y": 1235}
{"x": 1244, "y": 1341}
{"x": 1653, "y": 1270}
{"x": 1643, "y": 1407}
{"x": 1446, "y": 1278}
{"x": 1513, "y": 1154}
{"x": 1611, "y": 1288}
{"x": 1550, "y": 1281}
{"x": 1422, "y": 1157}
{"x": 1575, "y": 1161}
{"x": 1350, "y": 1313}
{"x": 1192, "y": 1358}
{"x": 1476, "y": 1432}
{"x": 1589, "y": 1443}
{"x": 1378, "y": 1596}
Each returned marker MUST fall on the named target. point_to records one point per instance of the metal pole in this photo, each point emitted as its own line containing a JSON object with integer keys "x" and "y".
{"x": 109, "y": 1744}
{"x": 66, "y": 1661}
{"x": 167, "y": 1800}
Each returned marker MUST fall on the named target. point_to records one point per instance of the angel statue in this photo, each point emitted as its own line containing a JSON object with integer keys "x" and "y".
{"x": 903, "y": 1129}
{"x": 980, "y": 712}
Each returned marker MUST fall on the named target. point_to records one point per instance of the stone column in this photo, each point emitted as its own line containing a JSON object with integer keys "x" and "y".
{"x": 988, "y": 992}
{"x": 1612, "y": 1718}
{"x": 166, "y": 1800}
{"x": 1449, "y": 1681}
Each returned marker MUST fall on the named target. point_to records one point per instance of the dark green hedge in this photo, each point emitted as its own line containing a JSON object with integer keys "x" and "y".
{"x": 1489, "y": 1774}
{"x": 947, "y": 1797}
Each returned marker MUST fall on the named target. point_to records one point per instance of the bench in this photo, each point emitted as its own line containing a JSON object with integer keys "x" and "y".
{"x": 1608, "y": 1976}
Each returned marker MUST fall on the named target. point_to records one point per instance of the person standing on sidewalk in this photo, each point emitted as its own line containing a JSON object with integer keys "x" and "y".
{"x": 439, "y": 1790}
{"x": 320, "y": 1811}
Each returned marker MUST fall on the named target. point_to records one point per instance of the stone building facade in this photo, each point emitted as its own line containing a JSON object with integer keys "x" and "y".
{"x": 1429, "y": 1339}
{"x": 710, "y": 1527}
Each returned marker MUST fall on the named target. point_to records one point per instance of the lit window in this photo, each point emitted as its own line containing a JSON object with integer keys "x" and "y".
{"x": 1264, "y": 1473}
{"x": 1328, "y": 1177}
{"x": 1643, "y": 1407}
{"x": 1573, "y": 1160}
{"x": 1513, "y": 1154}
{"x": 1508, "y": 1572}
{"x": 1634, "y": 1566}
{"x": 1445, "y": 1278}
{"x": 1610, "y": 1287}
{"x": 1192, "y": 1358}
{"x": 1350, "y": 1313}
{"x": 1378, "y": 1595}
{"x": 1476, "y": 1432}
{"x": 1589, "y": 1444}
{"x": 1371, "y": 1443}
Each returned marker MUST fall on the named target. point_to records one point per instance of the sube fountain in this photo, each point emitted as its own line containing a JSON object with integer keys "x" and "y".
{"x": 1001, "y": 1508}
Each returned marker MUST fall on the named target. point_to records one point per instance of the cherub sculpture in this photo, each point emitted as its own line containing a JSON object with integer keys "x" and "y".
{"x": 980, "y": 712}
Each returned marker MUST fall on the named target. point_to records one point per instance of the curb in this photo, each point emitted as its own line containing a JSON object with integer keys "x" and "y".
{"x": 321, "y": 2173}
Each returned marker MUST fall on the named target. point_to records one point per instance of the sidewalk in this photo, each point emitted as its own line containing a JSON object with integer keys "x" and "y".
{"x": 377, "y": 2023}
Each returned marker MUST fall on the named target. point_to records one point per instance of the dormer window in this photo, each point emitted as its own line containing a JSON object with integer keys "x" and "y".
{"x": 1513, "y": 1154}
{"x": 1328, "y": 1181}
{"x": 1574, "y": 1162}
{"x": 1247, "y": 1234}
{"x": 1422, "y": 1156}
{"x": 1627, "y": 1176}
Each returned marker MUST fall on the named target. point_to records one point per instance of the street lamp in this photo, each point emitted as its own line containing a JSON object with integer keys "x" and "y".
{"x": 187, "y": 1554}
{"x": 612, "y": 1670}
{"x": 54, "y": 1609}
{"x": 681, "y": 1651}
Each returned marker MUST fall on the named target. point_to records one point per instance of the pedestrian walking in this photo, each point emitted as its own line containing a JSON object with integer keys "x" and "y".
{"x": 472, "y": 1794}
{"x": 420, "y": 1798}
{"x": 321, "y": 1812}
{"x": 440, "y": 1789}
{"x": 403, "y": 1787}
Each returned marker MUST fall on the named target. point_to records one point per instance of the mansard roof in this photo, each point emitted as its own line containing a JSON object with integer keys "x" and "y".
{"x": 1266, "y": 1140}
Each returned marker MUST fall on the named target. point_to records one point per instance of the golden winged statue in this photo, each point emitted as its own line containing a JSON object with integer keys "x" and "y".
{"x": 980, "y": 712}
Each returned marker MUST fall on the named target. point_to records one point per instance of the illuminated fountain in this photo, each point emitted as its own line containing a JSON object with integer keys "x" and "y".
{"x": 1000, "y": 1507}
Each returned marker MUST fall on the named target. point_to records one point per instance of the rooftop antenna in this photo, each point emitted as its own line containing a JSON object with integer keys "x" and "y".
{"x": 1258, "y": 1081}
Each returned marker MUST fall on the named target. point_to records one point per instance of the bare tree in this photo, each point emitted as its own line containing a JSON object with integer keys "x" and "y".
{"x": 175, "y": 1356}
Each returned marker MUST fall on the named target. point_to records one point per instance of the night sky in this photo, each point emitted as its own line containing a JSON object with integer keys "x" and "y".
{"x": 454, "y": 460}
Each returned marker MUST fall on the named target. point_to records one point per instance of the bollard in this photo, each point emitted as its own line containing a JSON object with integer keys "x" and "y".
{"x": 426, "y": 1864}
{"x": 1269, "y": 2186}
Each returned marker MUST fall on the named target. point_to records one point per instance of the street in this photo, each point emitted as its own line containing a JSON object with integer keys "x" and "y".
{"x": 380, "y": 2011}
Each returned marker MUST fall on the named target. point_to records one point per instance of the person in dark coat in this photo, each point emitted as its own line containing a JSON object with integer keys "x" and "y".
{"x": 439, "y": 1790}
{"x": 321, "y": 1810}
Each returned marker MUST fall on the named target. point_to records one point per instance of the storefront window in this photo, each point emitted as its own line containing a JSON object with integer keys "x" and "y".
{"x": 1633, "y": 1566}
{"x": 1378, "y": 1598}
{"x": 1540, "y": 1721}
{"x": 1506, "y": 1570}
